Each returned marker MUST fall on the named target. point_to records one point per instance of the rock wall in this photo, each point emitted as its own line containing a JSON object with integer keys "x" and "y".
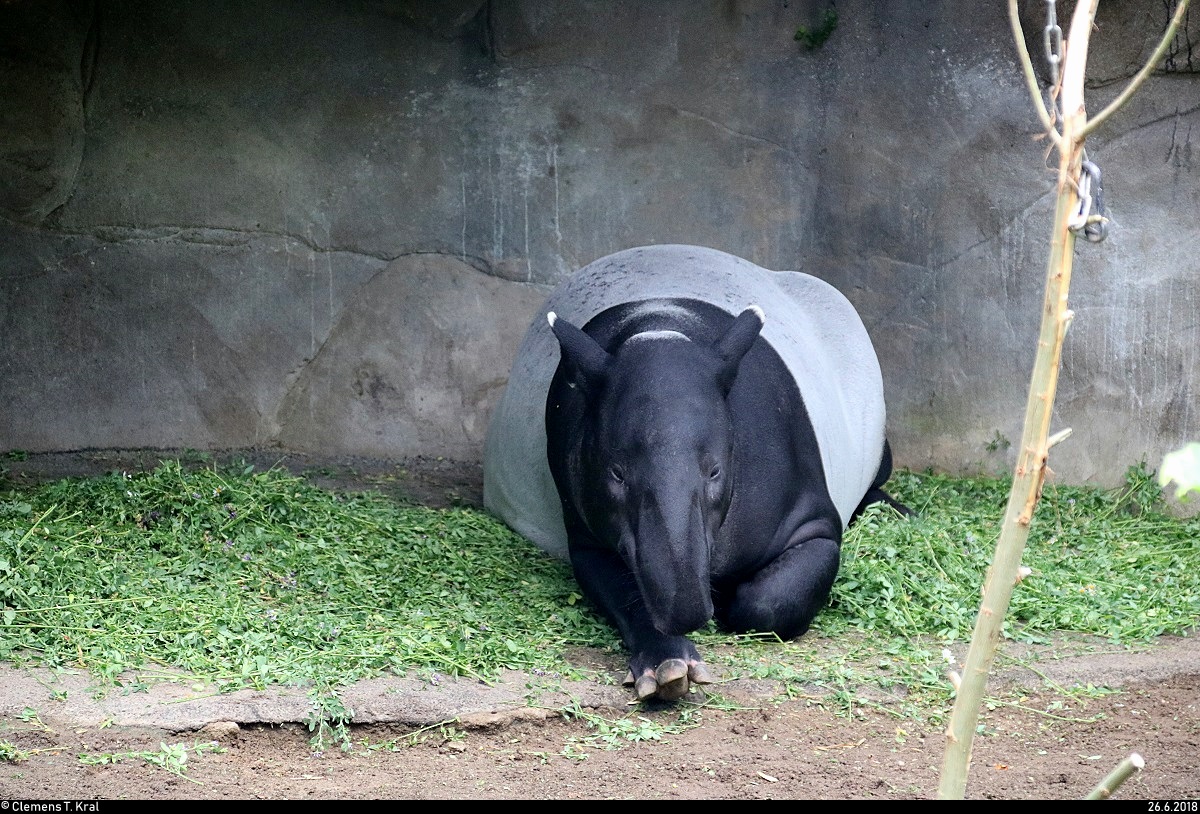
{"x": 324, "y": 225}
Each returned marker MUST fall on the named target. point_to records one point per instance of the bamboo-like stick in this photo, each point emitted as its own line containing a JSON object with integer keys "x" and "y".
{"x": 1031, "y": 457}
{"x": 1005, "y": 571}
{"x": 1116, "y": 777}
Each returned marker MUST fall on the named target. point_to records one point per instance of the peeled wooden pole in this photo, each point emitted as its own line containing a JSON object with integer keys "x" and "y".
{"x": 1033, "y": 452}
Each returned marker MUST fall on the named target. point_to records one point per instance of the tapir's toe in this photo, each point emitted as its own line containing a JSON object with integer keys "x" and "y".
{"x": 645, "y": 687}
{"x": 671, "y": 680}
{"x": 699, "y": 674}
{"x": 672, "y": 677}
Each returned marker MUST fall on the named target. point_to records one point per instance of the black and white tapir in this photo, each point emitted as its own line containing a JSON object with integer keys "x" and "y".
{"x": 694, "y": 432}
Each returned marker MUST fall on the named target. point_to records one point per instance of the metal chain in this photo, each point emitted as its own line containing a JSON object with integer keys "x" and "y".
{"x": 1089, "y": 217}
{"x": 1096, "y": 228}
{"x": 1053, "y": 38}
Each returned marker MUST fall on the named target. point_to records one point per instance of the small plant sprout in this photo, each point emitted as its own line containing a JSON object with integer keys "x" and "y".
{"x": 171, "y": 757}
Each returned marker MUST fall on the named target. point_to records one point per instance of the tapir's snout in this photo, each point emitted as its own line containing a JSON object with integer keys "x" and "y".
{"x": 686, "y": 616}
{"x": 671, "y": 563}
{"x": 677, "y": 607}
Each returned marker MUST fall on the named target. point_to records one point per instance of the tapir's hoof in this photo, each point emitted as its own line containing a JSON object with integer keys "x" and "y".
{"x": 670, "y": 681}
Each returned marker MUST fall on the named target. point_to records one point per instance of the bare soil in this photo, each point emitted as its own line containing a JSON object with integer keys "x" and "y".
{"x": 1037, "y": 747}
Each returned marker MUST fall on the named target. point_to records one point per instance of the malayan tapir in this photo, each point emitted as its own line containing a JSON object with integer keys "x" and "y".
{"x": 694, "y": 432}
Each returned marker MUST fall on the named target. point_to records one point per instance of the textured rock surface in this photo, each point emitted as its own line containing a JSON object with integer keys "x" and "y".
{"x": 415, "y": 363}
{"x": 200, "y": 206}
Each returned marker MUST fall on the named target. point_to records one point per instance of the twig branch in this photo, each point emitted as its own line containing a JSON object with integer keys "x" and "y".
{"x": 1137, "y": 81}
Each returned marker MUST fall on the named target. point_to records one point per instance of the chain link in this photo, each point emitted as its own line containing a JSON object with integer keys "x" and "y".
{"x": 1089, "y": 217}
{"x": 1053, "y": 39}
{"x": 1052, "y": 36}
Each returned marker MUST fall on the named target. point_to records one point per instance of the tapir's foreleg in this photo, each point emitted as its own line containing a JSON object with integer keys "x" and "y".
{"x": 785, "y": 595}
{"x": 659, "y": 665}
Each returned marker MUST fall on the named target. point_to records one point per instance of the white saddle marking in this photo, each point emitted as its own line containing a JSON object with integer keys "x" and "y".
{"x": 657, "y": 335}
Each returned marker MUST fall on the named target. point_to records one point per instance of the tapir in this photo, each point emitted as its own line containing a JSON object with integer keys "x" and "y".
{"x": 694, "y": 432}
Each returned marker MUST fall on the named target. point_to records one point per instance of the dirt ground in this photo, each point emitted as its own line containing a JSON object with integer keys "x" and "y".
{"x": 1038, "y": 747}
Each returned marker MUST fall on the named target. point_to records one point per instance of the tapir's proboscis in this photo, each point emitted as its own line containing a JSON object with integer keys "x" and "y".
{"x": 694, "y": 432}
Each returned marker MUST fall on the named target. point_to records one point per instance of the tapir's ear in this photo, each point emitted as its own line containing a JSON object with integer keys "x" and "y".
{"x": 737, "y": 341}
{"x": 587, "y": 361}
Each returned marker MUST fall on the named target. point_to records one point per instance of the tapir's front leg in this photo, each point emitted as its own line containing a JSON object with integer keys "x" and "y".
{"x": 659, "y": 665}
{"x": 785, "y": 595}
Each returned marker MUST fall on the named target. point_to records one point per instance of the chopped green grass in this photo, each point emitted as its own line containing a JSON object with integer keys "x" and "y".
{"x": 1103, "y": 563}
{"x": 1109, "y": 568}
{"x": 252, "y": 578}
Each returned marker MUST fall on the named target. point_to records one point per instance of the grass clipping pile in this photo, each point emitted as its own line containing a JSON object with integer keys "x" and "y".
{"x": 247, "y": 578}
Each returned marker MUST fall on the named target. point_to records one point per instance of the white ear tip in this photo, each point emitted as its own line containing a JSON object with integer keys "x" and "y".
{"x": 758, "y": 312}
{"x": 551, "y": 317}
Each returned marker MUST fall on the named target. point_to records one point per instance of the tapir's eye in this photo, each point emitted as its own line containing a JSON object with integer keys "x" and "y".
{"x": 715, "y": 473}
{"x": 616, "y": 473}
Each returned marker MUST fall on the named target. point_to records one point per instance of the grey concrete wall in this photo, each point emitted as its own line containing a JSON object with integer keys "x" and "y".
{"x": 324, "y": 225}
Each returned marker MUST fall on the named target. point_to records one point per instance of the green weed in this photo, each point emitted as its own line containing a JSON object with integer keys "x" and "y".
{"x": 11, "y": 753}
{"x": 443, "y": 731}
{"x": 328, "y": 720}
{"x": 171, "y": 757}
{"x": 617, "y": 733}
